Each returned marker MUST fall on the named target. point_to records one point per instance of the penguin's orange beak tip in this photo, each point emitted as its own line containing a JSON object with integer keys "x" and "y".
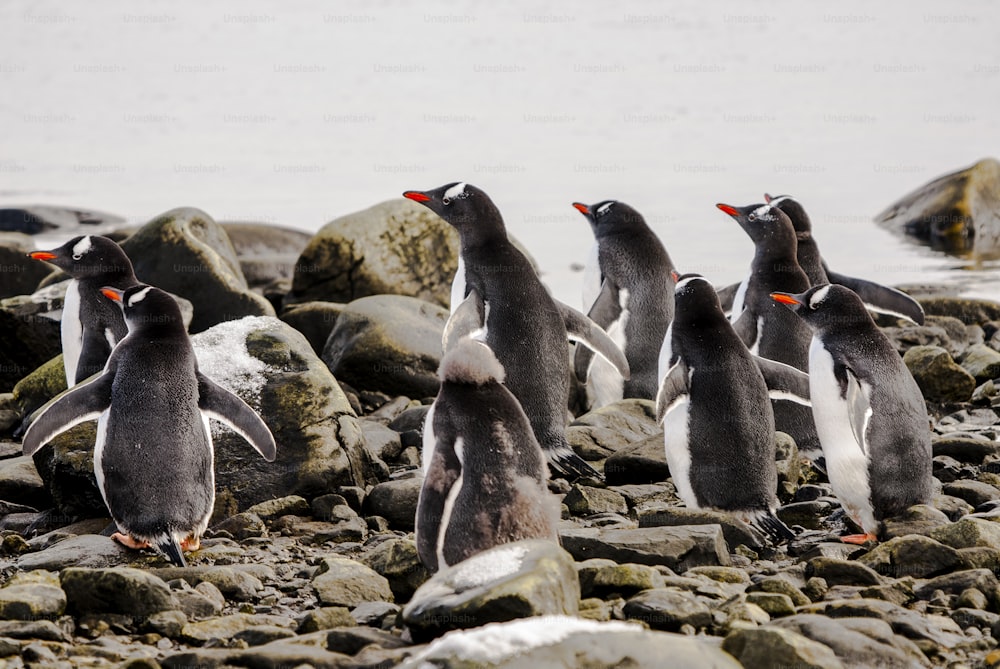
{"x": 728, "y": 209}
{"x": 416, "y": 196}
{"x": 42, "y": 255}
{"x": 112, "y": 294}
{"x": 768, "y": 198}
{"x": 783, "y": 298}
{"x": 674, "y": 275}
{"x": 582, "y": 208}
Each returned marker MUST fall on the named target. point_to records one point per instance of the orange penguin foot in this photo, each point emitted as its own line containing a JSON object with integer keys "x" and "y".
{"x": 858, "y": 538}
{"x": 128, "y": 541}
{"x": 191, "y": 544}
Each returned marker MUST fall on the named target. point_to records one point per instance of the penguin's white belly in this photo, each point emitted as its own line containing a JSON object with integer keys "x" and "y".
{"x": 666, "y": 352}
{"x": 605, "y": 384}
{"x": 71, "y": 331}
{"x": 429, "y": 440}
{"x": 102, "y": 437}
{"x": 675, "y": 440}
{"x": 846, "y": 463}
{"x": 458, "y": 286}
{"x": 739, "y": 300}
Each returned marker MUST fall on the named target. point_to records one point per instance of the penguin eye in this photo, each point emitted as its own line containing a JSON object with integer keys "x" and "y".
{"x": 77, "y": 256}
{"x": 446, "y": 200}
{"x": 752, "y": 217}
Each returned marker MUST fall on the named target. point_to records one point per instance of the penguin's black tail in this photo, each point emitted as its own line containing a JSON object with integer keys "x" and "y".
{"x": 773, "y": 527}
{"x": 568, "y": 464}
{"x": 172, "y": 550}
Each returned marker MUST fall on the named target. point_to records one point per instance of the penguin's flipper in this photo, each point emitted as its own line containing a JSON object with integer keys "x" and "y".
{"x": 93, "y": 355}
{"x": 605, "y": 311}
{"x": 84, "y": 401}
{"x": 746, "y": 328}
{"x": 673, "y": 390}
{"x": 582, "y": 330}
{"x": 464, "y": 321}
{"x": 882, "y": 299}
{"x": 784, "y": 382}
{"x": 218, "y": 403}
{"x": 859, "y": 408}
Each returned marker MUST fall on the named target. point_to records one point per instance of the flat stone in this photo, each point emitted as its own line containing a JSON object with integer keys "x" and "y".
{"x": 123, "y": 590}
{"x": 668, "y": 609}
{"x": 235, "y": 584}
{"x": 327, "y": 617}
{"x": 975, "y": 493}
{"x": 768, "y": 647}
{"x": 45, "y": 630}
{"x": 918, "y": 519}
{"x": 780, "y": 585}
{"x": 585, "y": 500}
{"x": 644, "y": 461}
{"x": 344, "y": 582}
{"x": 33, "y": 601}
{"x": 283, "y": 506}
{"x": 227, "y": 627}
{"x": 911, "y": 555}
{"x": 258, "y": 635}
{"x": 775, "y": 604}
{"x": 679, "y": 547}
{"x": 398, "y": 562}
{"x": 905, "y": 622}
{"x": 841, "y": 572}
{"x": 736, "y": 532}
{"x": 599, "y": 578}
{"x": 350, "y": 640}
{"x": 858, "y": 642}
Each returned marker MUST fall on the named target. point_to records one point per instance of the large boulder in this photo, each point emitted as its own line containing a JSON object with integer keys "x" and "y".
{"x": 515, "y": 580}
{"x": 29, "y": 336}
{"x": 561, "y": 642}
{"x": 266, "y": 252}
{"x": 958, "y": 213}
{"x": 678, "y": 548}
{"x": 389, "y": 343}
{"x": 273, "y": 368}
{"x": 184, "y": 251}
{"x": 940, "y": 378}
{"x": 19, "y": 274}
{"x": 395, "y": 247}
{"x": 33, "y": 219}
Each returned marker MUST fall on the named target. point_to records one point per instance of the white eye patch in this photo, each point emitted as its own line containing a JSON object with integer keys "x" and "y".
{"x": 818, "y": 297}
{"x": 81, "y": 247}
{"x": 139, "y": 297}
{"x": 454, "y": 193}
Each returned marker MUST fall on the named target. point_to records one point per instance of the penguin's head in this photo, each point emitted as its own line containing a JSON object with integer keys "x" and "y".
{"x": 695, "y": 298}
{"x": 793, "y": 209}
{"x": 145, "y": 307}
{"x": 609, "y": 215}
{"x": 88, "y": 256}
{"x": 465, "y": 207}
{"x": 471, "y": 361}
{"x": 826, "y": 306}
{"x": 763, "y": 222}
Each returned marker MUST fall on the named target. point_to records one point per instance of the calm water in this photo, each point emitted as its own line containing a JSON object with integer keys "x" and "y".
{"x": 297, "y": 115}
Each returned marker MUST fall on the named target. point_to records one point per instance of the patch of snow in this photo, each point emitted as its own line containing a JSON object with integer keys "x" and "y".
{"x": 496, "y": 642}
{"x": 223, "y": 356}
{"x": 488, "y": 567}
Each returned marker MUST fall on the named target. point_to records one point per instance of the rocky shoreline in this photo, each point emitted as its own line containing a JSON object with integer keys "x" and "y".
{"x": 310, "y": 560}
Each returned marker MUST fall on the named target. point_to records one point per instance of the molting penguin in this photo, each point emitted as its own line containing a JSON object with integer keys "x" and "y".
{"x": 519, "y": 320}
{"x": 629, "y": 292}
{"x": 91, "y": 325}
{"x": 485, "y": 478}
{"x": 878, "y": 298}
{"x": 766, "y": 328}
{"x": 714, "y": 405}
{"x": 153, "y": 458}
{"x": 870, "y": 414}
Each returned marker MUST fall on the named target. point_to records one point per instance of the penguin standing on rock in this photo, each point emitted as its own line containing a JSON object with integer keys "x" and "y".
{"x": 91, "y": 325}
{"x": 870, "y": 414}
{"x": 876, "y": 297}
{"x": 153, "y": 458}
{"x": 714, "y": 405}
{"x": 524, "y": 326}
{"x": 628, "y": 292}
{"x": 485, "y": 477}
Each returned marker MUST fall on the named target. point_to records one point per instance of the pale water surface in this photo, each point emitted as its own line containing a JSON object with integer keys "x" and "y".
{"x": 297, "y": 112}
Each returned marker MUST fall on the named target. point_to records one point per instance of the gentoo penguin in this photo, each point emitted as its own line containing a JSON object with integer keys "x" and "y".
{"x": 91, "y": 325}
{"x": 878, "y": 298}
{"x": 629, "y": 292}
{"x": 767, "y": 329}
{"x": 485, "y": 478}
{"x": 153, "y": 458}
{"x": 870, "y": 414}
{"x": 717, "y": 418}
{"x": 520, "y": 321}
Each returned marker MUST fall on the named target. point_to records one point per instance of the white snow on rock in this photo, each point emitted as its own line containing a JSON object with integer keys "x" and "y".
{"x": 223, "y": 356}
{"x": 487, "y": 567}
{"x": 496, "y": 642}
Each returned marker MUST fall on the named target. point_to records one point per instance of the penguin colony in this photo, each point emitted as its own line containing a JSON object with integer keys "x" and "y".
{"x": 793, "y": 347}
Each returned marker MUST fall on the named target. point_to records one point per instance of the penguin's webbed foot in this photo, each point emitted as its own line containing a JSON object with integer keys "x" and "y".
{"x": 191, "y": 543}
{"x": 128, "y": 542}
{"x": 858, "y": 539}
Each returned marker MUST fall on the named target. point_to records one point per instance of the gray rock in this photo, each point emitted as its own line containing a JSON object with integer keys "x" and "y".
{"x": 585, "y": 500}
{"x": 610, "y": 428}
{"x": 376, "y": 614}
{"x": 344, "y": 582}
{"x": 226, "y": 627}
{"x": 166, "y": 623}
{"x": 21, "y": 274}
{"x": 841, "y": 572}
{"x": 397, "y": 561}
{"x": 918, "y": 519}
{"x": 911, "y": 555}
{"x": 32, "y": 596}
{"x": 381, "y": 440}
{"x": 282, "y": 506}
{"x": 736, "y": 532}
{"x": 956, "y": 212}
{"x": 602, "y": 578}
{"x": 395, "y": 501}
{"x": 964, "y": 448}
{"x": 515, "y": 580}
{"x": 679, "y": 547}
{"x": 568, "y": 643}
{"x": 857, "y": 642}
{"x": 327, "y": 617}
{"x": 940, "y": 378}
{"x": 266, "y": 252}
{"x": 275, "y": 655}
{"x": 242, "y": 526}
{"x": 969, "y": 311}
{"x": 36, "y": 218}
{"x": 395, "y": 247}
{"x": 644, "y": 461}
{"x": 201, "y": 602}
{"x": 258, "y": 635}
{"x": 982, "y": 362}
{"x": 907, "y": 336}
{"x": 910, "y": 624}
{"x": 123, "y": 590}
{"x": 46, "y": 630}
{"x": 19, "y": 480}
{"x": 184, "y": 251}
{"x": 233, "y": 582}
{"x": 88, "y": 550}
{"x": 27, "y": 341}
{"x": 958, "y": 582}
{"x": 315, "y": 320}
{"x": 969, "y": 533}
{"x": 767, "y": 647}
{"x": 775, "y": 604}
{"x": 668, "y": 609}
{"x": 781, "y": 585}
{"x": 389, "y": 343}
{"x": 975, "y": 493}
{"x": 351, "y": 640}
